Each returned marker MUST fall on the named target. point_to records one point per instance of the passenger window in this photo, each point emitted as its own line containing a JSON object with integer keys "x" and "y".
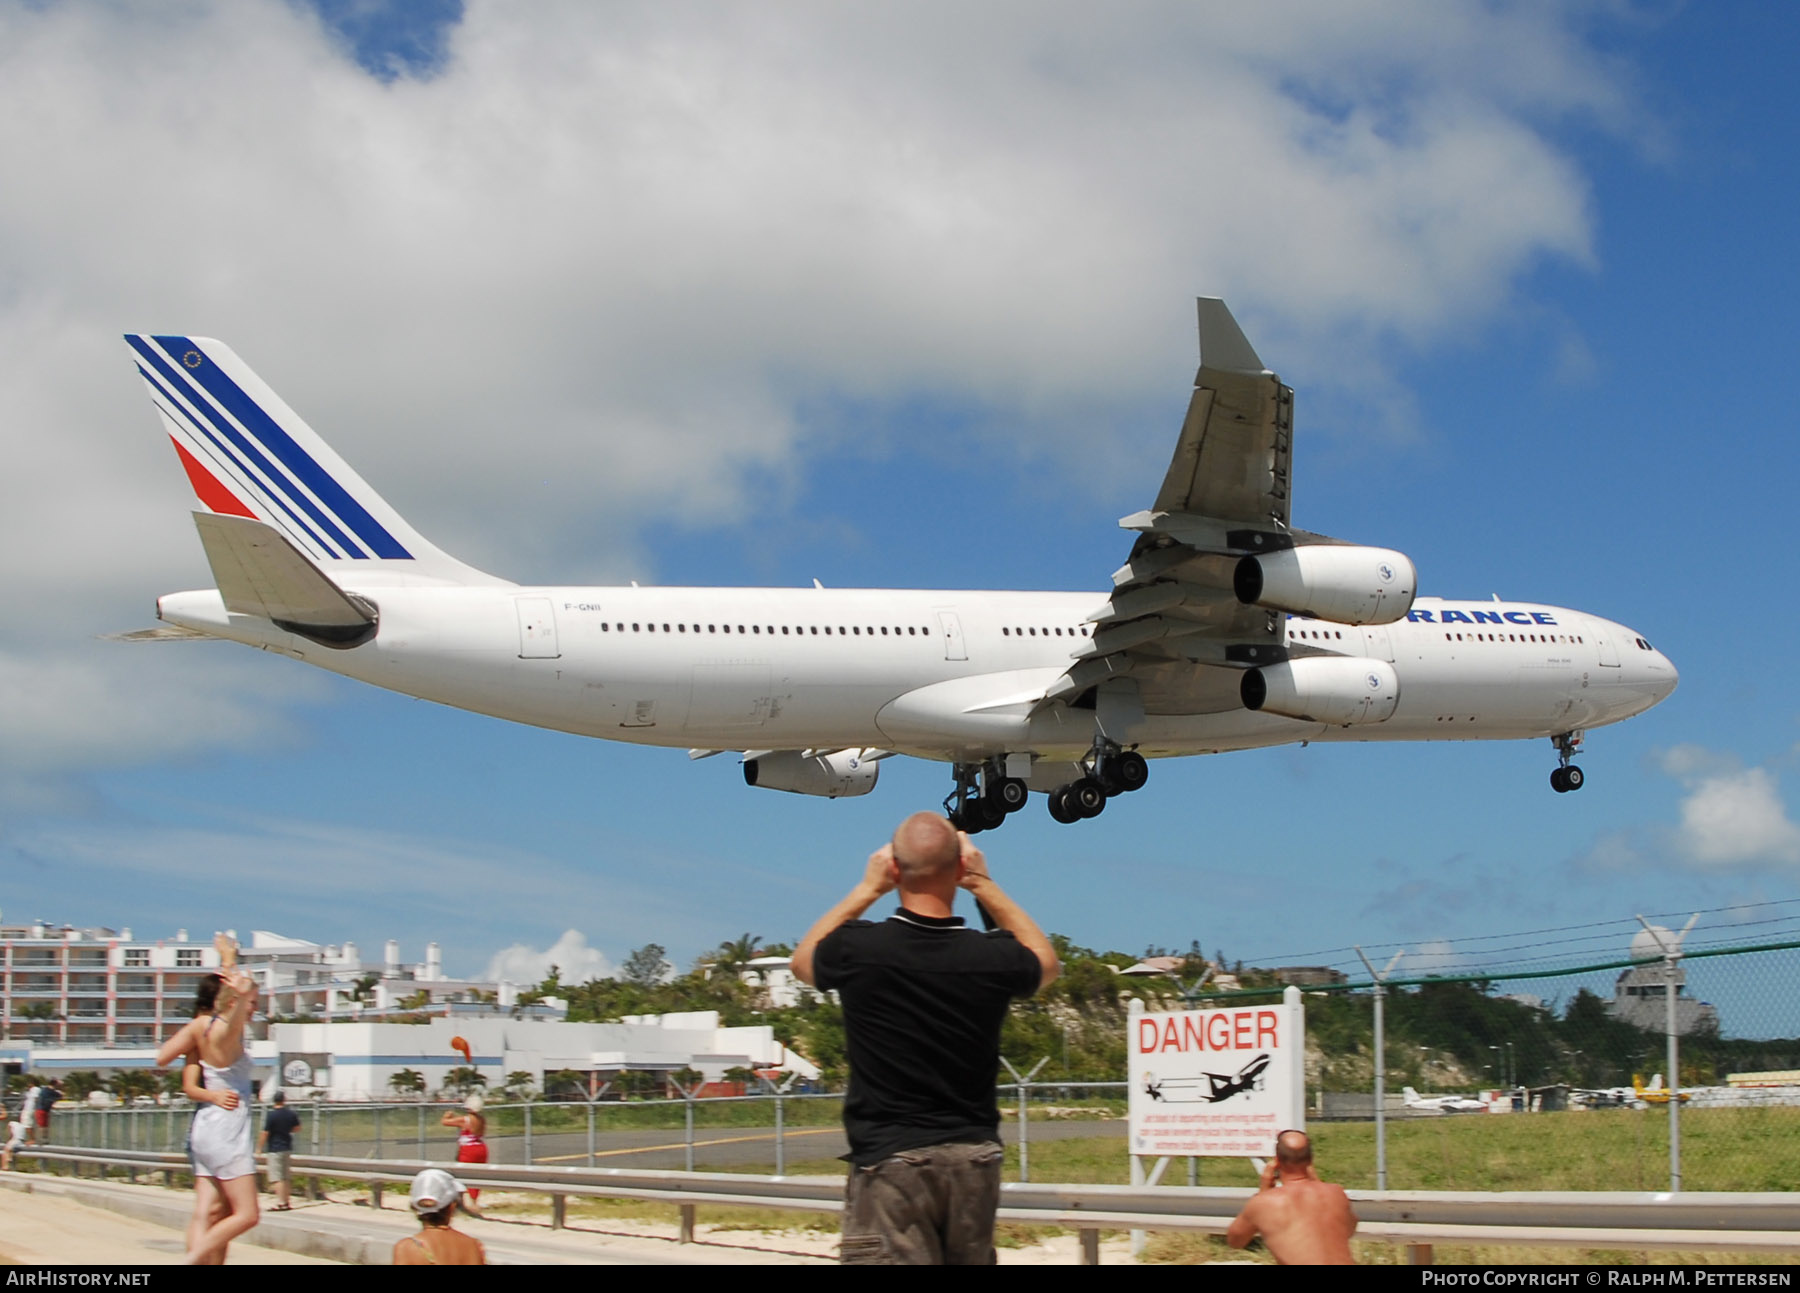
{"x": 635, "y": 629}
{"x": 856, "y": 630}
{"x": 740, "y": 628}
{"x": 884, "y": 630}
{"x": 604, "y": 626}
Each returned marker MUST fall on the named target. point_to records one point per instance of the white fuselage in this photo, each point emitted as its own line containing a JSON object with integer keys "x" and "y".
{"x": 940, "y": 675}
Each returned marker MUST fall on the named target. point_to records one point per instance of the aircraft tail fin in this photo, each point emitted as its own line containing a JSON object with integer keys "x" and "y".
{"x": 1411, "y": 1096}
{"x": 247, "y": 454}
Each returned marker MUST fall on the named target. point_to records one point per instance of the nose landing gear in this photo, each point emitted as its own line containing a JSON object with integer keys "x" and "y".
{"x": 1567, "y": 776}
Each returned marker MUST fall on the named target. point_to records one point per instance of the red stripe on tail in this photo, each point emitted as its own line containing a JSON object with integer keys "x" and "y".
{"x": 207, "y": 487}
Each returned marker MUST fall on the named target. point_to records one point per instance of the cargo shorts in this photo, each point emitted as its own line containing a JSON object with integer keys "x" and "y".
{"x": 932, "y": 1206}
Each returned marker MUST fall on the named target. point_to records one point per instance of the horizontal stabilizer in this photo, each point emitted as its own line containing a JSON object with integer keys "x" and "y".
{"x": 161, "y": 633}
{"x": 260, "y": 573}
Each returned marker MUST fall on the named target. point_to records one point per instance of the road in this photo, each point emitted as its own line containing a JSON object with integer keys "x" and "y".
{"x": 715, "y": 1148}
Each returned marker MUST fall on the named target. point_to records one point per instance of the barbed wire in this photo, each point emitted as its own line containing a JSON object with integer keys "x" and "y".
{"x": 1588, "y": 940}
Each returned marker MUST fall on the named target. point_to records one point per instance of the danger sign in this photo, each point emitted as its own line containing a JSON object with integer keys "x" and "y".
{"x": 1217, "y": 1083}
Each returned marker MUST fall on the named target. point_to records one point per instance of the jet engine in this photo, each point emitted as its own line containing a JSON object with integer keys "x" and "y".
{"x": 1347, "y": 585}
{"x": 1324, "y": 689}
{"x": 836, "y": 776}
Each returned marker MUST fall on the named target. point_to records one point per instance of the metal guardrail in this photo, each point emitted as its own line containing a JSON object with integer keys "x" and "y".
{"x": 1699, "y": 1222}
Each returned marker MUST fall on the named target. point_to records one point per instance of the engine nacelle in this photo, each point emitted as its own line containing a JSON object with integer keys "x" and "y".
{"x": 1346, "y": 585}
{"x": 1324, "y": 689}
{"x": 836, "y": 776}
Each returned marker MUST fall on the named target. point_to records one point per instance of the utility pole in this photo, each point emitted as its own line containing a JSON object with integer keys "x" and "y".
{"x": 1380, "y": 978}
{"x": 1670, "y": 947}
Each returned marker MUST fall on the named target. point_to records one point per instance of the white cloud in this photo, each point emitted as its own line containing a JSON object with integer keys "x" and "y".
{"x": 575, "y": 961}
{"x": 1434, "y": 956}
{"x": 1730, "y": 815}
{"x": 593, "y": 271}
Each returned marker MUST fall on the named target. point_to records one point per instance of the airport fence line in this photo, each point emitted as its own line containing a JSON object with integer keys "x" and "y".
{"x": 768, "y": 1132}
{"x": 1584, "y": 1059}
{"x": 1561, "y": 1044}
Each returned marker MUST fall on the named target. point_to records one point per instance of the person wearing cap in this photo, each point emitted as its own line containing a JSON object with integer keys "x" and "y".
{"x": 433, "y": 1198}
{"x": 471, "y": 1139}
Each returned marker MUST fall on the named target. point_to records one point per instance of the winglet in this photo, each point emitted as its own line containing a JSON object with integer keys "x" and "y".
{"x": 1223, "y": 346}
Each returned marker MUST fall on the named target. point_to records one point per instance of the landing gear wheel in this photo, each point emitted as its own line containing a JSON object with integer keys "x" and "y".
{"x": 1572, "y": 778}
{"x": 1129, "y": 771}
{"x": 1087, "y": 797}
{"x": 1059, "y": 810}
{"x": 1559, "y": 780}
{"x": 986, "y": 813}
{"x": 1010, "y": 794}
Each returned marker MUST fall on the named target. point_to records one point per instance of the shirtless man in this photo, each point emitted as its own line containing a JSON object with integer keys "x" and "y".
{"x": 1305, "y": 1221}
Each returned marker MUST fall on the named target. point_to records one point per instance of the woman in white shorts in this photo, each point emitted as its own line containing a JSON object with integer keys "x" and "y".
{"x": 15, "y": 1139}
{"x": 219, "y": 1141}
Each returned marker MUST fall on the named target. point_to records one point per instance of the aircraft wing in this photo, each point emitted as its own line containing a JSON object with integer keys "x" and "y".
{"x": 1227, "y": 494}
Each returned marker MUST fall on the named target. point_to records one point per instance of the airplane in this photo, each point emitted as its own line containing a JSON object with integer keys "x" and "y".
{"x": 1248, "y": 1078}
{"x": 1226, "y": 628}
{"x": 1219, "y": 1086}
{"x": 1442, "y": 1103}
{"x": 1656, "y": 1092}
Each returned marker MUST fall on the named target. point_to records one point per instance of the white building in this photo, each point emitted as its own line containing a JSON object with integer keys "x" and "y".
{"x": 775, "y": 976}
{"x": 331, "y": 981}
{"x": 354, "y": 1061}
{"x": 64, "y": 987}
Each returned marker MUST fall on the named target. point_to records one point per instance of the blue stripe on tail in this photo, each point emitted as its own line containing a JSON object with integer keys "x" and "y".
{"x": 259, "y": 424}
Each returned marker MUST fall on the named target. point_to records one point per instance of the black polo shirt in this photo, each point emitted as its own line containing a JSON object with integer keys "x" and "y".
{"x": 924, "y": 998}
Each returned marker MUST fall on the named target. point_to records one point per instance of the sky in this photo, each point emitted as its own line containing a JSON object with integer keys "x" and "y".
{"x": 899, "y": 296}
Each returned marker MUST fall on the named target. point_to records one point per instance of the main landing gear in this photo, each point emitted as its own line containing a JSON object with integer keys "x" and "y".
{"x": 1567, "y": 776}
{"x": 1110, "y": 771}
{"x": 984, "y": 797}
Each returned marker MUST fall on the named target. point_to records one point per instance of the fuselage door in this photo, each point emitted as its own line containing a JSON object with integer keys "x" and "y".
{"x": 1603, "y": 641}
{"x": 537, "y": 629}
{"x": 953, "y": 636}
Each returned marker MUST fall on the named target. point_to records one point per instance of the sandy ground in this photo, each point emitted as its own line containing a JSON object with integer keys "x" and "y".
{"x": 47, "y": 1230}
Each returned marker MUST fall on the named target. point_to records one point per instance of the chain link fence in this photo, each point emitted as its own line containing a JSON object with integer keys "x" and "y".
{"x": 1523, "y": 1080}
{"x": 1577, "y": 1059}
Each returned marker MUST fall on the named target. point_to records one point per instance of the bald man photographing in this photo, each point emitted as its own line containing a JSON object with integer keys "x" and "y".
{"x": 924, "y": 998}
{"x": 1305, "y": 1221}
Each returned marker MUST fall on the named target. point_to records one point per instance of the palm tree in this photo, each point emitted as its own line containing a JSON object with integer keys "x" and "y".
{"x": 735, "y": 954}
{"x": 463, "y": 1079}
{"x": 408, "y": 1082}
